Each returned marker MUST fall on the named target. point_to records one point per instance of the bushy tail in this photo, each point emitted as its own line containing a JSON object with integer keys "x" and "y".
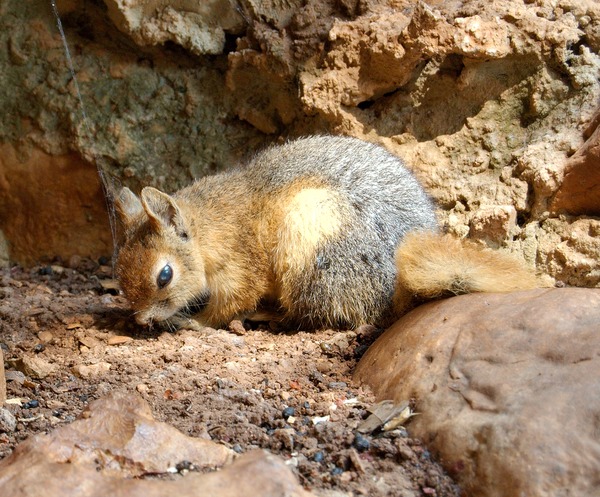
{"x": 432, "y": 265}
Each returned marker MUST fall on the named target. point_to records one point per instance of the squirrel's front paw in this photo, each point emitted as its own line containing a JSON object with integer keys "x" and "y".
{"x": 184, "y": 323}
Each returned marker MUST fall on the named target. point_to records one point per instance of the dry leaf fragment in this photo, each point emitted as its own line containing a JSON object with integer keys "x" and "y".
{"x": 399, "y": 420}
{"x": 381, "y": 413}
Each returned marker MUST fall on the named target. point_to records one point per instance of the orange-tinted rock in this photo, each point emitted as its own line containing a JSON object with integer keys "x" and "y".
{"x": 579, "y": 192}
{"x": 506, "y": 387}
{"x": 117, "y": 442}
{"x": 51, "y": 205}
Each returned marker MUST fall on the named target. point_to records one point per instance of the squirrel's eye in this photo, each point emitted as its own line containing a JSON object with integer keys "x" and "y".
{"x": 164, "y": 277}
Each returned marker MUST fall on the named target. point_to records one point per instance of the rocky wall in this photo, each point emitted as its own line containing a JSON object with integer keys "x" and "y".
{"x": 492, "y": 103}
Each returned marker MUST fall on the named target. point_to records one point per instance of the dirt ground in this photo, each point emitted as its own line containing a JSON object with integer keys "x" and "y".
{"x": 68, "y": 338}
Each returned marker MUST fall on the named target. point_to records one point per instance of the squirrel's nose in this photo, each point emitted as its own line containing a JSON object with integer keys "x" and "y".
{"x": 142, "y": 319}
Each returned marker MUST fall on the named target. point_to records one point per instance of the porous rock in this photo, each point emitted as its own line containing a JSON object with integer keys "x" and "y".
{"x": 198, "y": 26}
{"x": 116, "y": 442}
{"x": 505, "y": 387}
{"x": 494, "y": 224}
{"x": 485, "y": 99}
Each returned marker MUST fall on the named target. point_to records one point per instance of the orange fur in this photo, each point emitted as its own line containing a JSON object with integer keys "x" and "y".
{"x": 432, "y": 265}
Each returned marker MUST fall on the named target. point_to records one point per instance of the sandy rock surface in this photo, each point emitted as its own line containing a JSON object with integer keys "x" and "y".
{"x": 505, "y": 387}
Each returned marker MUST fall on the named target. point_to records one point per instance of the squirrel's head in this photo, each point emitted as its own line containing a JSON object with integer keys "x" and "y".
{"x": 158, "y": 269}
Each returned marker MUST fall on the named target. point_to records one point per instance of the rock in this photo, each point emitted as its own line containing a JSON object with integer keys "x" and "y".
{"x": 24, "y": 208}
{"x": 87, "y": 371}
{"x": 16, "y": 376}
{"x": 197, "y": 26}
{"x": 75, "y": 261}
{"x": 119, "y": 340}
{"x": 115, "y": 440}
{"x": 46, "y": 336}
{"x": 579, "y": 192}
{"x": 506, "y": 387}
{"x": 118, "y": 435}
{"x": 8, "y": 422}
{"x": 237, "y": 327}
{"x": 34, "y": 366}
{"x": 254, "y": 473}
{"x": 494, "y": 224}
{"x": 571, "y": 250}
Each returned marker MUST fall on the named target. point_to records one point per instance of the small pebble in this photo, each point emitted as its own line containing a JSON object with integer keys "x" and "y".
{"x": 32, "y": 404}
{"x": 40, "y": 347}
{"x": 57, "y": 269}
{"x": 184, "y": 466}
{"x": 361, "y": 443}
{"x": 237, "y": 327}
{"x": 17, "y": 376}
{"x": 337, "y": 471}
{"x": 74, "y": 261}
{"x": 318, "y": 457}
{"x": 46, "y": 271}
{"x": 288, "y": 411}
{"x": 45, "y": 336}
{"x": 8, "y": 423}
{"x": 104, "y": 261}
{"x": 360, "y": 351}
{"x": 326, "y": 347}
{"x": 119, "y": 340}
{"x": 237, "y": 448}
{"x": 316, "y": 377}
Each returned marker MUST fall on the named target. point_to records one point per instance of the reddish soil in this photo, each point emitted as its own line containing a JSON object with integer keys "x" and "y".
{"x": 247, "y": 387}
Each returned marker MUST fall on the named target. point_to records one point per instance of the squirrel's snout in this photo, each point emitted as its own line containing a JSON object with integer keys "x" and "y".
{"x": 142, "y": 319}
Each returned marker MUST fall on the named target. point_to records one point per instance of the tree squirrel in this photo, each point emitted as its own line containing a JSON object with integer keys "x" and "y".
{"x": 330, "y": 231}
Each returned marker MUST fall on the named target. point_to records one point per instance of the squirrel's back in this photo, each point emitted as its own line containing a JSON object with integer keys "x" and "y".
{"x": 374, "y": 182}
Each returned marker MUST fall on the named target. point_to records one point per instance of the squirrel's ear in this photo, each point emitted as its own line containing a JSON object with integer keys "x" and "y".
{"x": 163, "y": 210}
{"x": 128, "y": 205}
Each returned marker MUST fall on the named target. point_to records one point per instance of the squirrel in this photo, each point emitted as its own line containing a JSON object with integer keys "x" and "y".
{"x": 328, "y": 231}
